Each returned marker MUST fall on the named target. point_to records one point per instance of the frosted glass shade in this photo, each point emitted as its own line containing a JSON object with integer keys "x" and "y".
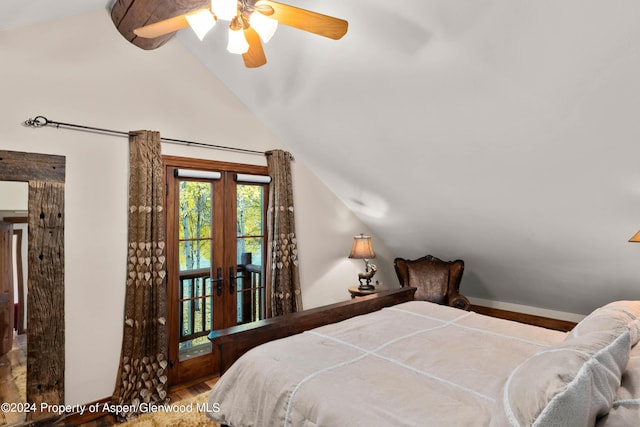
{"x": 237, "y": 42}
{"x": 225, "y": 9}
{"x": 201, "y": 22}
{"x": 265, "y": 27}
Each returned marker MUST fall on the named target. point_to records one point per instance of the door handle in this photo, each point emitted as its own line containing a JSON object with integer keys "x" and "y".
{"x": 232, "y": 279}
{"x": 218, "y": 281}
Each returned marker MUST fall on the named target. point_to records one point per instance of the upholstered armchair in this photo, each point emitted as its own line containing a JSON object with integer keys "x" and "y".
{"x": 436, "y": 280}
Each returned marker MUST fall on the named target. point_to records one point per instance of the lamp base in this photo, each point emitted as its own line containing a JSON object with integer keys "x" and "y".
{"x": 365, "y": 278}
{"x": 366, "y": 287}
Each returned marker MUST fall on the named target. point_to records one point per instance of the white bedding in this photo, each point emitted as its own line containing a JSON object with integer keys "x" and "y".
{"x": 414, "y": 364}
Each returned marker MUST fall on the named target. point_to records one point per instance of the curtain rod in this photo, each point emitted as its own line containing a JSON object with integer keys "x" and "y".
{"x": 41, "y": 121}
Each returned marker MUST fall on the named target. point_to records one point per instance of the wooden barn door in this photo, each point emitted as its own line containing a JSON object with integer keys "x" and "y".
{"x": 6, "y": 287}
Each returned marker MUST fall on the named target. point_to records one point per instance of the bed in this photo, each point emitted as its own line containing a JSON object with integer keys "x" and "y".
{"x": 416, "y": 363}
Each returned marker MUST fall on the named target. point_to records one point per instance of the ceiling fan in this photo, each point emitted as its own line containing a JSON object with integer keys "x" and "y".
{"x": 250, "y": 21}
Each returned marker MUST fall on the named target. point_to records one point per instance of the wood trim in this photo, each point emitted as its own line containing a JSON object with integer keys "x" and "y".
{"x": 45, "y": 290}
{"x": 16, "y": 219}
{"x": 93, "y": 411}
{"x": 45, "y": 281}
{"x": 19, "y": 166}
{"x": 20, "y": 284}
{"x": 233, "y": 342}
{"x": 192, "y": 163}
{"x": 7, "y": 297}
{"x": 171, "y": 232}
{"x": 530, "y": 319}
{"x": 228, "y": 244}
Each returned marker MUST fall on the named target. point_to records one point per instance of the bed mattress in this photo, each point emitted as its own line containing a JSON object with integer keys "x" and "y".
{"x": 412, "y": 364}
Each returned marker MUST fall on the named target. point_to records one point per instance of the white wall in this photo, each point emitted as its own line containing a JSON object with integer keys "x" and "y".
{"x": 14, "y": 196}
{"x": 80, "y": 70}
{"x": 504, "y": 133}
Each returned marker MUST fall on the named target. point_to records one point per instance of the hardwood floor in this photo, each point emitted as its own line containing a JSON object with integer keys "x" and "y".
{"x": 15, "y": 361}
{"x": 176, "y": 394}
{"x": 13, "y": 365}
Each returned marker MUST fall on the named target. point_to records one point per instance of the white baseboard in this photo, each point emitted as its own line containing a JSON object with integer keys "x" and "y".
{"x": 536, "y": 311}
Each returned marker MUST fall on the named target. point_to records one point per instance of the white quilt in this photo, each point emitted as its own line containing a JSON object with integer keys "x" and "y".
{"x": 414, "y": 364}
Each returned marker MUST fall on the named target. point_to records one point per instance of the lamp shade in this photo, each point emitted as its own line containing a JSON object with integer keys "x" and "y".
{"x": 362, "y": 248}
{"x": 201, "y": 22}
{"x": 635, "y": 238}
{"x": 225, "y": 9}
{"x": 265, "y": 27}
{"x": 237, "y": 42}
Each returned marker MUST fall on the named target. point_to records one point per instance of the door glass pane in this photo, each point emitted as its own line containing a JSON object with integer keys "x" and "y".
{"x": 195, "y": 225}
{"x": 195, "y": 255}
{"x": 250, "y": 289}
{"x": 249, "y": 209}
{"x": 196, "y": 311}
{"x": 195, "y": 250}
{"x": 195, "y": 209}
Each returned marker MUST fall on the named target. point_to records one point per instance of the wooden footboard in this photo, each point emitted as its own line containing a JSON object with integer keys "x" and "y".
{"x": 233, "y": 342}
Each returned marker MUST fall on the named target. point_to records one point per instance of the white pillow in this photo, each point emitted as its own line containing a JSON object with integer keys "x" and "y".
{"x": 610, "y": 316}
{"x": 569, "y": 384}
{"x": 626, "y": 405}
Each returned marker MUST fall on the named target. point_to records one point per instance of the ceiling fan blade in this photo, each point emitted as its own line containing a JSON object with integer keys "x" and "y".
{"x": 316, "y": 23}
{"x": 254, "y": 57}
{"x": 166, "y": 26}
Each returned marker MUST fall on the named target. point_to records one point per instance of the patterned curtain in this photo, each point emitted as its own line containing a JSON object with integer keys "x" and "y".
{"x": 142, "y": 375}
{"x": 283, "y": 276}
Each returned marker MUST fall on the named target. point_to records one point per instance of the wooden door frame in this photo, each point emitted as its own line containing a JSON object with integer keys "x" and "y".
{"x": 189, "y": 369}
{"x": 20, "y": 285}
{"x": 19, "y": 263}
{"x": 45, "y": 316}
{"x": 7, "y": 297}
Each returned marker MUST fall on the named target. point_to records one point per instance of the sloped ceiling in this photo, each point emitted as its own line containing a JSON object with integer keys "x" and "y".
{"x": 502, "y": 132}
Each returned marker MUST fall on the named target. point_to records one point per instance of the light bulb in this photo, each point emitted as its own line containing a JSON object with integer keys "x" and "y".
{"x": 237, "y": 42}
{"x": 264, "y": 26}
{"x": 225, "y": 9}
{"x": 201, "y": 22}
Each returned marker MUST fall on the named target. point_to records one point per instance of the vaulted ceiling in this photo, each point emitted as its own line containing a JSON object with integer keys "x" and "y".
{"x": 501, "y": 132}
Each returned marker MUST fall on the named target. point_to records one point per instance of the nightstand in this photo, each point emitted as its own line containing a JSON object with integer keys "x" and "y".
{"x": 355, "y": 292}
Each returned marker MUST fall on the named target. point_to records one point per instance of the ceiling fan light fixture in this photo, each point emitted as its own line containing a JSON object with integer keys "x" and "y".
{"x": 265, "y": 27}
{"x": 201, "y": 22}
{"x": 247, "y": 34}
{"x": 225, "y": 9}
{"x": 237, "y": 41}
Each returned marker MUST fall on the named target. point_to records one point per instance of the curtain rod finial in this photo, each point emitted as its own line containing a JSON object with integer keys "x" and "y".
{"x": 37, "y": 122}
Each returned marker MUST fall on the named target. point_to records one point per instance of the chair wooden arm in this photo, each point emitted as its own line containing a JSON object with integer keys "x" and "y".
{"x": 459, "y": 301}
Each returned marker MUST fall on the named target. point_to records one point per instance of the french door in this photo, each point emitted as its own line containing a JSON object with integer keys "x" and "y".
{"x": 216, "y": 237}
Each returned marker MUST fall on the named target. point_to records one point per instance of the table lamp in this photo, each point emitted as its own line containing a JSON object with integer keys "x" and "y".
{"x": 362, "y": 250}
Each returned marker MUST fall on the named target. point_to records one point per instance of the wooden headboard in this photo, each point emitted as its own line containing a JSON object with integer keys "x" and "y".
{"x": 231, "y": 343}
